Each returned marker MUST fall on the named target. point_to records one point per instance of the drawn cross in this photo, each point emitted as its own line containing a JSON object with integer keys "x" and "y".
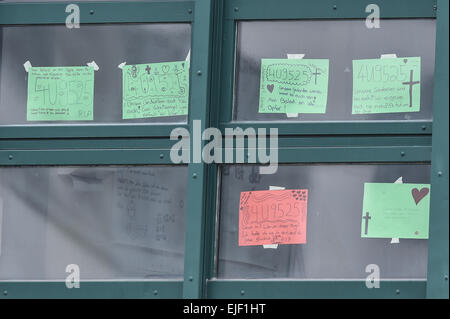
{"x": 367, "y": 217}
{"x": 315, "y": 76}
{"x": 147, "y": 69}
{"x": 411, "y": 83}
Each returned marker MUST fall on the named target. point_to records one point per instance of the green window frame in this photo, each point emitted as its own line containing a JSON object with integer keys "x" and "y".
{"x": 211, "y": 101}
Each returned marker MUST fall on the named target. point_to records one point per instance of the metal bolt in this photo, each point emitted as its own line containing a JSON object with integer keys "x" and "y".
{"x": 161, "y": 155}
{"x": 190, "y": 278}
{"x": 446, "y": 277}
{"x": 199, "y": 72}
{"x": 10, "y": 157}
{"x": 194, "y": 175}
{"x": 91, "y": 12}
{"x": 334, "y": 7}
{"x": 434, "y": 7}
{"x": 424, "y": 128}
{"x": 397, "y": 292}
{"x": 155, "y": 292}
{"x": 5, "y": 292}
{"x": 236, "y": 9}
{"x": 190, "y": 11}
{"x": 242, "y": 292}
{"x": 439, "y": 173}
{"x": 402, "y": 153}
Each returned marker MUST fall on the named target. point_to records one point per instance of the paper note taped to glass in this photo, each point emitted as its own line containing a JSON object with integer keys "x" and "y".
{"x": 293, "y": 86}
{"x": 155, "y": 89}
{"x": 395, "y": 210}
{"x": 273, "y": 217}
{"x": 60, "y": 93}
{"x": 386, "y": 85}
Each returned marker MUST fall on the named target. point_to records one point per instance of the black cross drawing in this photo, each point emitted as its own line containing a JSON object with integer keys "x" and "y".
{"x": 147, "y": 69}
{"x": 315, "y": 76}
{"x": 411, "y": 83}
{"x": 367, "y": 217}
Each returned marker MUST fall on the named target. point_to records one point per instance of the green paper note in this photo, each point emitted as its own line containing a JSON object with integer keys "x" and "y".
{"x": 60, "y": 93}
{"x": 155, "y": 89}
{"x": 395, "y": 210}
{"x": 386, "y": 85}
{"x": 293, "y": 86}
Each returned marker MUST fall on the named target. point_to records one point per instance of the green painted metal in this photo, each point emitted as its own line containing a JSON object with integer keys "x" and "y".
{"x": 308, "y": 289}
{"x": 84, "y": 157}
{"x": 211, "y": 100}
{"x": 97, "y": 12}
{"x": 201, "y": 68}
{"x": 238, "y": 10}
{"x": 94, "y": 12}
{"x": 438, "y": 268}
{"x": 91, "y": 290}
{"x": 323, "y": 128}
{"x": 325, "y": 9}
{"x": 92, "y": 130}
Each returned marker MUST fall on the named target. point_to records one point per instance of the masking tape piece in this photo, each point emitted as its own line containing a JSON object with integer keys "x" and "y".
{"x": 388, "y": 56}
{"x": 398, "y": 181}
{"x": 273, "y": 188}
{"x": 27, "y": 66}
{"x": 188, "y": 56}
{"x": 121, "y": 65}
{"x": 94, "y": 65}
{"x": 294, "y": 56}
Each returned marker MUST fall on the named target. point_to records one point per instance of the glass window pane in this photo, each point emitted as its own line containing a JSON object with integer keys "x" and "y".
{"x": 334, "y": 248}
{"x": 106, "y": 44}
{"x": 113, "y": 222}
{"x": 341, "y": 42}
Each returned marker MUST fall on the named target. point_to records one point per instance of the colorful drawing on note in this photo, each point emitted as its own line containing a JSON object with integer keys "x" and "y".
{"x": 273, "y": 217}
{"x": 293, "y": 86}
{"x": 60, "y": 94}
{"x": 395, "y": 210}
{"x": 386, "y": 85}
{"x": 155, "y": 89}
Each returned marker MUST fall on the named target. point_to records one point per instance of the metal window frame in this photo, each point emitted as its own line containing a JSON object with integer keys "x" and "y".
{"x": 143, "y": 144}
{"x": 212, "y": 43}
{"x": 351, "y": 142}
{"x": 96, "y": 13}
{"x": 246, "y": 10}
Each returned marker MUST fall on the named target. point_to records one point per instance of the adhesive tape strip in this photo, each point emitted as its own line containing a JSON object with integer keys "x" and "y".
{"x": 94, "y": 65}
{"x": 388, "y": 56}
{"x": 273, "y": 188}
{"x": 27, "y": 66}
{"x": 294, "y": 56}
{"x": 121, "y": 65}
{"x": 398, "y": 181}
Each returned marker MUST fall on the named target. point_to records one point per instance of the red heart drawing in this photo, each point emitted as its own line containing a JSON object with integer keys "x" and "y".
{"x": 270, "y": 87}
{"x": 418, "y": 195}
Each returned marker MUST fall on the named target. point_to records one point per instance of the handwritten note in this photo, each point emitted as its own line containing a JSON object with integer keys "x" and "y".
{"x": 60, "y": 94}
{"x": 273, "y": 217}
{"x": 395, "y": 210}
{"x": 155, "y": 89}
{"x": 147, "y": 208}
{"x": 386, "y": 85}
{"x": 293, "y": 86}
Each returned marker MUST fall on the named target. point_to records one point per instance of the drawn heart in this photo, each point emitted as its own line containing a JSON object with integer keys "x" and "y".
{"x": 405, "y": 60}
{"x": 270, "y": 87}
{"x": 165, "y": 68}
{"x": 418, "y": 195}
